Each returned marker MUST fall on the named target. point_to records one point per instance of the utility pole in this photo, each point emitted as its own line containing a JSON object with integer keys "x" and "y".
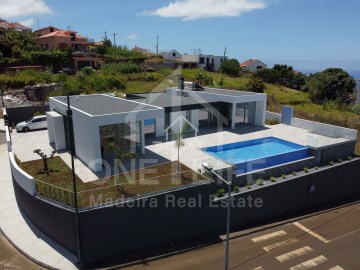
{"x": 38, "y": 23}
{"x": 157, "y": 45}
{"x": 114, "y": 39}
{"x": 224, "y": 53}
{"x": 105, "y": 36}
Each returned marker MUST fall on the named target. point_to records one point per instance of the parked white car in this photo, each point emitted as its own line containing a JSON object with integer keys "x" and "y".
{"x": 36, "y": 122}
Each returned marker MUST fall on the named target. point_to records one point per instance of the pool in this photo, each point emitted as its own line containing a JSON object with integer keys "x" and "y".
{"x": 258, "y": 154}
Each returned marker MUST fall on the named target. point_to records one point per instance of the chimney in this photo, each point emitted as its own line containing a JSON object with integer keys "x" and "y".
{"x": 181, "y": 84}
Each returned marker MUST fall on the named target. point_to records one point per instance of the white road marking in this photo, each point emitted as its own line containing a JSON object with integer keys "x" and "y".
{"x": 347, "y": 234}
{"x": 310, "y": 263}
{"x": 293, "y": 254}
{"x": 337, "y": 268}
{"x": 258, "y": 268}
{"x": 302, "y": 227}
{"x": 268, "y": 236}
{"x": 280, "y": 244}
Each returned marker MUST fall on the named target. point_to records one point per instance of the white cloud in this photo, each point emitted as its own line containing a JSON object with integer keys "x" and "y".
{"x": 19, "y": 8}
{"x": 132, "y": 37}
{"x": 198, "y": 9}
{"x": 28, "y": 23}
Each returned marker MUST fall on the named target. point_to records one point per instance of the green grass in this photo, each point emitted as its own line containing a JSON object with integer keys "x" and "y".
{"x": 58, "y": 185}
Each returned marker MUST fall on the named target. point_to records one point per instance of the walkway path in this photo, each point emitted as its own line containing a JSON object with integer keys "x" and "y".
{"x": 20, "y": 230}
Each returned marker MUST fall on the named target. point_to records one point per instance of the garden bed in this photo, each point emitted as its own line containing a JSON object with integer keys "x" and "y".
{"x": 58, "y": 185}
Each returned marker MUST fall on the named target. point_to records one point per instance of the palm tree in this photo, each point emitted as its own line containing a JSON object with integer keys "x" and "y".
{"x": 120, "y": 156}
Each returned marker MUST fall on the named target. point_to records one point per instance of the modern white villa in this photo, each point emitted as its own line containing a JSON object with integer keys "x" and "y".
{"x": 100, "y": 119}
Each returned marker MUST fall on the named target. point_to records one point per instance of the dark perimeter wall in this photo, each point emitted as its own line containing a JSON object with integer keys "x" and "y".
{"x": 19, "y": 114}
{"x": 114, "y": 230}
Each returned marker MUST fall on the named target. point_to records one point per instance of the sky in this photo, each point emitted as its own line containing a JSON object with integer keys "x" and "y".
{"x": 309, "y": 35}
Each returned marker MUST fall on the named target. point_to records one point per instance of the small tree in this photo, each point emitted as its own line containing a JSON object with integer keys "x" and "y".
{"x": 179, "y": 142}
{"x": 231, "y": 67}
{"x": 120, "y": 156}
{"x": 45, "y": 159}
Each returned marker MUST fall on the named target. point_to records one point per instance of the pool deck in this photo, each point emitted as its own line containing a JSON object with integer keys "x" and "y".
{"x": 192, "y": 156}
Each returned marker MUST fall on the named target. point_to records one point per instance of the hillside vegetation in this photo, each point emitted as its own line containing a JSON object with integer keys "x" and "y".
{"x": 126, "y": 78}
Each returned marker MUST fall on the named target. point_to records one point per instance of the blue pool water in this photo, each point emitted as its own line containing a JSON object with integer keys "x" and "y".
{"x": 149, "y": 122}
{"x": 258, "y": 154}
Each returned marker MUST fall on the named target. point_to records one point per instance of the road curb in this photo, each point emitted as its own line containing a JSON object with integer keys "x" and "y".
{"x": 27, "y": 255}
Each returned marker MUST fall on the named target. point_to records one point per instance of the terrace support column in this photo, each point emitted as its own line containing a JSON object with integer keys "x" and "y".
{"x": 233, "y": 116}
{"x": 142, "y": 136}
{"x": 159, "y": 125}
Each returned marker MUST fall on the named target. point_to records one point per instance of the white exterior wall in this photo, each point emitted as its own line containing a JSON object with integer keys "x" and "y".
{"x": 217, "y": 61}
{"x": 260, "y": 113}
{"x": 56, "y": 130}
{"x": 25, "y": 181}
{"x": 87, "y": 129}
{"x": 194, "y": 118}
{"x": 160, "y": 126}
{"x": 176, "y": 127}
{"x": 170, "y": 55}
{"x": 253, "y": 66}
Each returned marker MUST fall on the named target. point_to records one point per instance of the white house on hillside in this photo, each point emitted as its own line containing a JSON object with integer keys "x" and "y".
{"x": 171, "y": 55}
{"x": 211, "y": 62}
{"x": 252, "y": 65}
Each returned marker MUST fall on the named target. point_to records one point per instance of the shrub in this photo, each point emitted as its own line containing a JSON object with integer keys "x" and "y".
{"x": 283, "y": 176}
{"x": 340, "y": 160}
{"x": 125, "y": 68}
{"x": 349, "y": 158}
{"x": 235, "y": 189}
{"x": 316, "y": 167}
{"x": 260, "y": 182}
{"x": 88, "y": 71}
{"x": 255, "y": 85}
{"x": 331, "y": 163}
{"x": 247, "y": 186}
{"x": 306, "y": 169}
{"x": 273, "y": 179}
{"x": 294, "y": 173}
{"x": 220, "y": 192}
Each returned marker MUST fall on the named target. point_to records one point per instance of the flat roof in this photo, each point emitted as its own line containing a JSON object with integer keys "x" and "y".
{"x": 164, "y": 99}
{"x": 100, "y": 104}
{"x": 225, "y": 92}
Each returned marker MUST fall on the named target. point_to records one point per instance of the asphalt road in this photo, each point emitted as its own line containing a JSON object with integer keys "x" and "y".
{"x": 326, "y": 241}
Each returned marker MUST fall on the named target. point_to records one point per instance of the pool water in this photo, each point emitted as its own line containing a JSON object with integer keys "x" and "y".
{"x": 258, "y": 154}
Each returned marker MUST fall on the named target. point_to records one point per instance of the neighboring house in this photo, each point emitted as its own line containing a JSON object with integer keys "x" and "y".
{"x": 101, "y": 119}
{"x": 52, "y": 38}
{"x": 211, "y": 62}
{"x": 14, "y": 26}
{"x": 189, "y": 61}
{"x": 138, "y": 49}
{"x": 208, "y": 62}
{"x": 172, "y": 55}
{"x": 44, "y": 31}
{"x": 252, "y": 65}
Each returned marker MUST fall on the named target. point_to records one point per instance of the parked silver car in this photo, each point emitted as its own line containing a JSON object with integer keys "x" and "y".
{"x": 36, "y": 122}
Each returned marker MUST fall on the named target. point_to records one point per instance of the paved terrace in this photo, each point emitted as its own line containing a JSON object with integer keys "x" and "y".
{"x": 24, "y": 145}
{"x": 192, "y": 156}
